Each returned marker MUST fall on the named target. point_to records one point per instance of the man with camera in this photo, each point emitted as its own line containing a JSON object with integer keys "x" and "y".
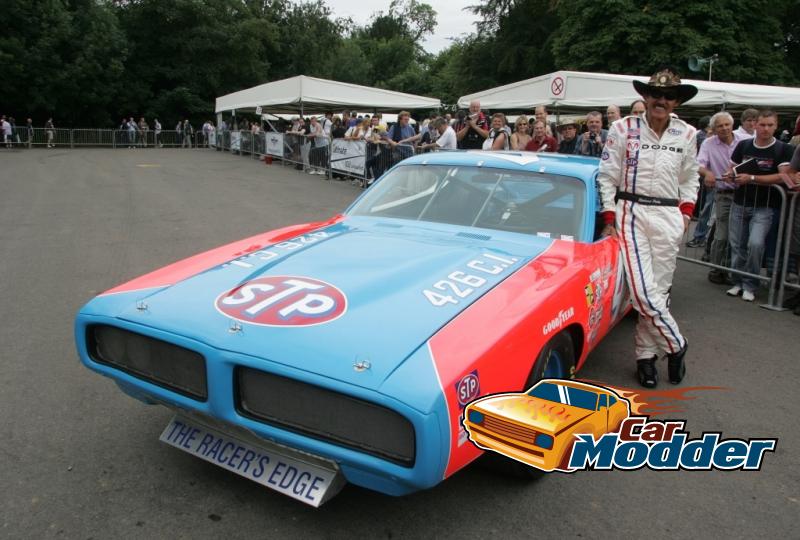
{"x": 592, "y": 142}
{"x": 473, "y": 129}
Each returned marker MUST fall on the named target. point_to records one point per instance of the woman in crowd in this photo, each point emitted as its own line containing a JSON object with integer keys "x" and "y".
{"x": 521, "y": 135}
{"x": 498, "y": 134}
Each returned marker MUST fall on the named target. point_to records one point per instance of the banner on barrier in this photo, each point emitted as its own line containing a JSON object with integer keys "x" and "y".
{"x": 348, "y": 156}
{"x": 275, "y": 144}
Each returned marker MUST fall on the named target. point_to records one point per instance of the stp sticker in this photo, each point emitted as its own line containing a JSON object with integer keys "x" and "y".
{"x": 283, "y": 301}
{"x": 468, "y": 388}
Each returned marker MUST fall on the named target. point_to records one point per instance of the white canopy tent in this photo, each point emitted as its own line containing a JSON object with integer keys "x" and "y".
{"x": 308, "y": 95}
{"x": 575, "y": 90}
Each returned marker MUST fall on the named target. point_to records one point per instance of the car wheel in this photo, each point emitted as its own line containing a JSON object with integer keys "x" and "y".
{"x": 556, "y": 361}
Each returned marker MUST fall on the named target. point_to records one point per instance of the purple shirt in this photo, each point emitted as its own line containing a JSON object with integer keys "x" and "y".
{"x": 715, "y": 156}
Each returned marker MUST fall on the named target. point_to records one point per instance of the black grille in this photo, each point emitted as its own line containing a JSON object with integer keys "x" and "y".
{"x": 153, "y": 360}
{"x": 325, "y": 415}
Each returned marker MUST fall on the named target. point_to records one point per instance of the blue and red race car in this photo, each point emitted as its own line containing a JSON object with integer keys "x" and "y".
{"x": 347, "y": 350}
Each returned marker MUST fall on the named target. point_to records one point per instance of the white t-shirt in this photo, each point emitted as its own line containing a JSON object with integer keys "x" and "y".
{"x": 447, "y": 140}
{"x": 6, "y": 127}
{"x": 351, "y": 131}
{"x": 742, "y": 133}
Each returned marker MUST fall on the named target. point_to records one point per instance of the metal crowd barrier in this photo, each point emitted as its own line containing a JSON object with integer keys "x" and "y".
{"x": 791, "y": 251}
{"x": 772, "y": 250}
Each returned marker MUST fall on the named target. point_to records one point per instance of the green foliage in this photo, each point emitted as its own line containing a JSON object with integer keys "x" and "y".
{"x": 90, "y": 62}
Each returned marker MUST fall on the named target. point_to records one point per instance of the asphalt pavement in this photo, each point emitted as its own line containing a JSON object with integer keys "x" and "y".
{"x": 78, "y": 459}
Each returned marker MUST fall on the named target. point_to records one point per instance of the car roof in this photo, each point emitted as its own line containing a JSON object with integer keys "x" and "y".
{"x": 581, "y": 167}
{"x": 580, "y": 385}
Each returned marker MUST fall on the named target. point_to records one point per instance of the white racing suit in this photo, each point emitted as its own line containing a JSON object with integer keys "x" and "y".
{"x": 661, "y": 174}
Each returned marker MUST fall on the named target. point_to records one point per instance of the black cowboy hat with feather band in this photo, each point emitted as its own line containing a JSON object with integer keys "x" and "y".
{"x": 666, "y": 82}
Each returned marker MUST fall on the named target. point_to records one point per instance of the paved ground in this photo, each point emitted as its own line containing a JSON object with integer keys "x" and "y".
{"x": 78, "y": 459}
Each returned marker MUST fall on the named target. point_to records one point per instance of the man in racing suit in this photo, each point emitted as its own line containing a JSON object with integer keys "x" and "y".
{"x": 648, "y": 182}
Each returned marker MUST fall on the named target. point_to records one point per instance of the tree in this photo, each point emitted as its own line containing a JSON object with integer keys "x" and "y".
{"x": 628, "y": 36}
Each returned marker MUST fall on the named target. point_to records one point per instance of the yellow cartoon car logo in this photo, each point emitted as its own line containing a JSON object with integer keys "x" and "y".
{"x": 538, "y": 427}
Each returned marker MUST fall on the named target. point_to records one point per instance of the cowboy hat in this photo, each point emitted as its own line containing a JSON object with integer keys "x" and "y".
{"x": 665, "y": 80}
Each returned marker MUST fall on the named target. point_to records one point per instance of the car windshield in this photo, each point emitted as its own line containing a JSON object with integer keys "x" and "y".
{"x": 526, "y": 202}
{"x": 565, "y": 394}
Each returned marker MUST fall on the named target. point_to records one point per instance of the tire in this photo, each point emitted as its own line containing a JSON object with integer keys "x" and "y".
{"x": 555, "y": 360}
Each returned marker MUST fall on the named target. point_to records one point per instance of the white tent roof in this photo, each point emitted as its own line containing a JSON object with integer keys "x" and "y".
{"x": 579, "y": 90}
{"x": 317, "y": 95}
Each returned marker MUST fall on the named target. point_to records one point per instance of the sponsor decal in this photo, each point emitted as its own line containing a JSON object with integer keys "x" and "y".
{"x": 539, "y": 428}
{"x": 604, "y": 156}
{"x": 588, "y": 290}
{"x": 633, "y": 146}
{"x": 634, "y": 132}
{"x": 632, "y": 162}
{"x": 673, "y": 131}
{"x": 468, "y": 388}
{"x": 255, "y": 256}
{"x": 558, "y": 321}
{"x": 662, "y": 147}
{"x": 610, "y": 141}
{"x": 283, "y": 301}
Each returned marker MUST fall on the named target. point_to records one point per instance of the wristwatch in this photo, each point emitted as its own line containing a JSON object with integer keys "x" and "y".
{"x": 752, "y": 178}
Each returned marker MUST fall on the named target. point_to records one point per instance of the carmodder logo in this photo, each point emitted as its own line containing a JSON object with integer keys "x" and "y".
{"x": 568, "y": 425}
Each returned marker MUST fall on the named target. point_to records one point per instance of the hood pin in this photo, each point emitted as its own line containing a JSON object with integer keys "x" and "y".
{"x": 362, "y": 365}
{"x": 235, "y": 327}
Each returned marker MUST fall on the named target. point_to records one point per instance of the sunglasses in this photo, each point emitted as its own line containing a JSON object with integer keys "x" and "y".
{"x": 671, "y": 95}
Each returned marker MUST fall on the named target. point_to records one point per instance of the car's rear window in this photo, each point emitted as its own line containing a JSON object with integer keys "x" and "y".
{"x": 525, "y": 202}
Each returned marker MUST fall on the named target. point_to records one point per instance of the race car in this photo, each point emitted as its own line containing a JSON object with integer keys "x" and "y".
{"x": 538, "y": 427}
{"x": 346, "y": 350}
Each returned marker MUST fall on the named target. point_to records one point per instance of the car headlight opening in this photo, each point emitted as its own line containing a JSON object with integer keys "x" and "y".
{"x": 326, "y": 415}
{"x": 161, "y": 363}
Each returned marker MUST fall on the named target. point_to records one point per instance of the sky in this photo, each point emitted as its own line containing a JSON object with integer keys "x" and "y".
{"x": 452, "y": 22}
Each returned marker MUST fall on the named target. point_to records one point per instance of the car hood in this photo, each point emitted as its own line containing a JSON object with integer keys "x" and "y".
{"x": 539, "y": 414}
{"x": 380, "y": 267}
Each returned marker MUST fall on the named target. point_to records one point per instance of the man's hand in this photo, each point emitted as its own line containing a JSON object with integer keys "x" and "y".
{"x": 686, "y": 221}
{"x": 709, "y": 179}
{"x": 742, "y": 179}
{"x": 609, "y": 230}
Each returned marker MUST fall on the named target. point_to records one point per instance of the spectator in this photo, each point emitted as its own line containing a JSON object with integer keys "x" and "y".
{"x": 188, "y": 131}
{"x": 747, "y": 124}
{"x": 704, "y": 130}
{"x": 591, "y": 143}
{"x": 143, "y": 129}
{"x": 6, "y": 127}
{"x": 793, "y": 302}
{"x": 447, "y": 139}
{"x": 14, "y": 130}
{"x": 376, "y": 153}
{"x": 714, "y": 159}
{"x": 353, "y": 121}
{"x": 29, "y": 129}
{"x": 473, "y": 129}
{"x": 754, "y": 200}
{"x": 541, "y": 115}
{"x": 795, "y": 140}
{"x": 541, "y": 142}
{"x": 521, "y": 136}
{"x": 637, "y": 108}
{"x": 429, "y": 135}
{"x": 569, "y": 137}
{"x": 397, "y": 136}
{"x": 131, "y": 125}
{"x": 498, "y": 137}
{"x": 157, "y": 133}
{"x": 319, "y": 146}
{"x": 612, "y": 114}
{"x": 206, "y": 130}
{"x": 358, "y": 131}
{"x": 50, "y": 130}
{"x": 338, "y": 130}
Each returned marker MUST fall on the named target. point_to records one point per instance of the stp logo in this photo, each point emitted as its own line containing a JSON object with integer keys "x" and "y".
{"x": 468, "y": 388}
{"x": 283, "y": 301}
